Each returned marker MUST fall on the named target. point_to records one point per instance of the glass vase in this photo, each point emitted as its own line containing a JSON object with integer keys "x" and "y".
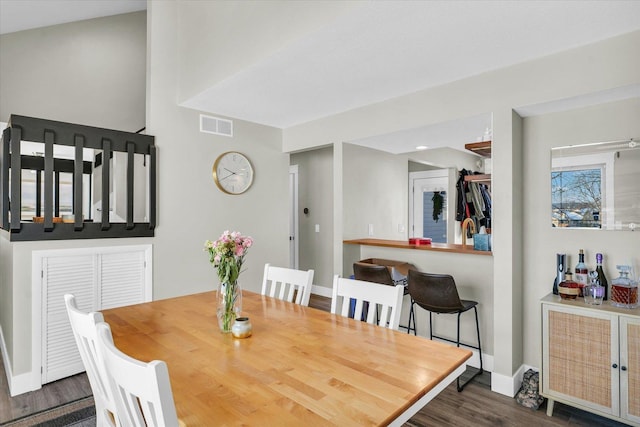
{"x": 229, "y": 306}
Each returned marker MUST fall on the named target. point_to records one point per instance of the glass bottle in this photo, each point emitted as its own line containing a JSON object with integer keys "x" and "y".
{"x": 593, "y": 292}
{"x": 569, "y": 289}
{"x": 624, "y": 291}
{"x": 581, "y": 271}
{"x": 601, "y": 277}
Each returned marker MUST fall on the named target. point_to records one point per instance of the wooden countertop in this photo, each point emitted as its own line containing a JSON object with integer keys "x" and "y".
{"x": 301, "y": 366}
{"x": 404, "y": 244}
{"x": 605, "y": 307}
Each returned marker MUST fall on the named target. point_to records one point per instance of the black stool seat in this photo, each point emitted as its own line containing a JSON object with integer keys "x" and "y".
{"x": 378, "y": 274}
{"x": 437, "y": 293}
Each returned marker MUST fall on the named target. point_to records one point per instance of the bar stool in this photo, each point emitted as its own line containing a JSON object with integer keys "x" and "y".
{"x": 437, "y": 293}
{"x": 379, "y": 274}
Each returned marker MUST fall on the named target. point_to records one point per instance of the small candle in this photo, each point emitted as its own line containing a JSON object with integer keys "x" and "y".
{"x": 241, "y": 328}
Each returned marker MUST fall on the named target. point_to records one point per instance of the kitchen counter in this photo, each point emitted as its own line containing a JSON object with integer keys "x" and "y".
{"x": 404, "y": 244}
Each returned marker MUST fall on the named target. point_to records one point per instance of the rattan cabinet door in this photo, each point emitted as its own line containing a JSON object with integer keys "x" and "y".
{"x": 579, "y": 350}
{"x": 630, "y": 368}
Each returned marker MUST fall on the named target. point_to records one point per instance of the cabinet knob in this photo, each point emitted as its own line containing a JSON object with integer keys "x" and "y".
{"x": 614, "y": 366}
{"x": 624, "y": 368}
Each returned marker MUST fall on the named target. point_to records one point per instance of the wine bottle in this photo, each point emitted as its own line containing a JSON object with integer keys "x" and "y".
{"x": 561, "y": 268}
{"x": 581, "y": 271}
{"x": 601, "y": 277}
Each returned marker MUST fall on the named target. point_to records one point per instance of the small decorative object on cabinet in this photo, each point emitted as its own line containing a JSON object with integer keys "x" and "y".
{"x": 624, "y": 291}
{"x": 591, "y": 358}
{"x": 241, "y": 327}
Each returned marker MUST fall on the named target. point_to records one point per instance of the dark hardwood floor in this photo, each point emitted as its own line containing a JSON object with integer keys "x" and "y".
{"x": 477, "y": 405}
{"x": 72, "y": 392}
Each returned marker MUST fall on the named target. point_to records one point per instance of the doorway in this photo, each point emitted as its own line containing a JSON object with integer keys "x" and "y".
{"x": 429, "y": 214}
{"x": 293, "y": 217}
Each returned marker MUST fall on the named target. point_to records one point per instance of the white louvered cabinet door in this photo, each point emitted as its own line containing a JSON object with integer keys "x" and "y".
{"x": 122, "y": 278}
{"x": 100, "y": 278}
{"x": 62, "y": 275}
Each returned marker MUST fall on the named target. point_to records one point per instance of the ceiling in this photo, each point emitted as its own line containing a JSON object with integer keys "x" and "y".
{"x": 18, "y": 15}
{"x": 381, "y": 50}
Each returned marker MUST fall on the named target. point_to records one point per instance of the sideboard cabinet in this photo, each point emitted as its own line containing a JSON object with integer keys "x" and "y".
{"x": 591, "y": 358}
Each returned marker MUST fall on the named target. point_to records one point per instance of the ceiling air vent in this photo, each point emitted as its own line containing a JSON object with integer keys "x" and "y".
{"x": 216, "y": 125}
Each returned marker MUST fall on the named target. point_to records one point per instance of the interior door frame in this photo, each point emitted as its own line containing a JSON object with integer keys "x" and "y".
{"x": 294, "y": 232}
{"x": 450, "y": 175}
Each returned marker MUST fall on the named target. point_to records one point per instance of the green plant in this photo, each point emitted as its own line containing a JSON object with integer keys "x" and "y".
{"x": 438, "y": 201}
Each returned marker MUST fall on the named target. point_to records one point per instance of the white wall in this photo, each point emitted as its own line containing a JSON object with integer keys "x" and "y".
{"x": 89, "y": 72}
{"x": 315, "y": 190}
{"x": 375, "y": 191}
{"x": 606, "y": 122}
{"x": 191, "y": 208}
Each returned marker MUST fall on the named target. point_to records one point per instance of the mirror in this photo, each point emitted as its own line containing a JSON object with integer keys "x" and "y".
{"x": 596, "y": 185}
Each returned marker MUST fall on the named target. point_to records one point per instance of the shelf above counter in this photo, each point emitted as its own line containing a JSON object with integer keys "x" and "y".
{"x": 404, "y": 244}
{"x": 481, "y": 178}
{"x": 482, "y": 148}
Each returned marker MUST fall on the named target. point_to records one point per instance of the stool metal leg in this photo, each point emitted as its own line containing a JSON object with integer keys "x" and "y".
{"x": 430, "y": 327}
{"x": 461, "y": 386}
{"x": 410, "y": 315}
{"x": 478, "y": 331}
{"x": 412, "y": 318}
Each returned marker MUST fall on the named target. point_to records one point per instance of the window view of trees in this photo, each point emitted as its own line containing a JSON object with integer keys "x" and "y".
{"x": 576, "y": 198}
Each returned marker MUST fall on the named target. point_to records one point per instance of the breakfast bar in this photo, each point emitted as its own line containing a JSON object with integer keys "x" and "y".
{"x": 471, "y": 269}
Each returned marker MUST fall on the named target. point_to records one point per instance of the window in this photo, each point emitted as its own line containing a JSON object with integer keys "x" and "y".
{"x": 582, "y": 191}
{"x": 576, "y": 197}
{"x": 434, "y": 216}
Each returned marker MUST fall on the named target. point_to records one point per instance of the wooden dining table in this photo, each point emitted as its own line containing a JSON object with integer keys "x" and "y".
{"x": 301, "y": 366}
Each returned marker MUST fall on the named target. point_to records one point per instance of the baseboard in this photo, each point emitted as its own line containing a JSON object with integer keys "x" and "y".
{"x": 18, "y": 384}
{"x": 509, "y": 385}
{"x": 323, "y": 291}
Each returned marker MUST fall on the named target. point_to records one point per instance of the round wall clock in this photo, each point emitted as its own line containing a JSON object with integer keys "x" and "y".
{"x": 232, "y": 172}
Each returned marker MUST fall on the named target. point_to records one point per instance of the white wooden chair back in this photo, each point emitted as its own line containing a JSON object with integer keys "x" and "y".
{"x": 142, "y": 391}
{"x": 83, "y": 326}
{"x": 282, "y": 283}
{"x": 388, "y": 298}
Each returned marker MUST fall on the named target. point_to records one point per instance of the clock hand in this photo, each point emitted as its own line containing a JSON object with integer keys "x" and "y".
{"x": 232, "y": 172}
{"x": 223, "y": 178}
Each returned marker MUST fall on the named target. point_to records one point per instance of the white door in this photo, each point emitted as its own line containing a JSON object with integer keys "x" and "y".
{"x": 429, "y": 213}
{"x": 293, "y": 217}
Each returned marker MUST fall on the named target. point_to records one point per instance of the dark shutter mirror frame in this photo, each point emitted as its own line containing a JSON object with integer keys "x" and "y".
{"x": 48, "y": 169}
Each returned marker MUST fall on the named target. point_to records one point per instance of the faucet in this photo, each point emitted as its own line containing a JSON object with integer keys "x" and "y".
{"x": 465, "y": 223}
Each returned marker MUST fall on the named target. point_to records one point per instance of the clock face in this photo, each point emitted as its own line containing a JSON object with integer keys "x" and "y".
{"x": 233, "y": 173}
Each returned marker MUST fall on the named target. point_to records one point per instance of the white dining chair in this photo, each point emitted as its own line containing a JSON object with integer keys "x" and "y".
{"x": 83, "y": 326}
{"x": 142, "y": 391}
{"x": 388, "y": 298}
{"x": 287, "y": 284}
